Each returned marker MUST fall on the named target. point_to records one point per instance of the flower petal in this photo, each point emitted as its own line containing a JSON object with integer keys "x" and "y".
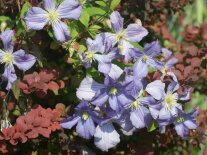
{"x": 140, "y": 69}
{"x": 70, "y": 9}
{"x": 152, "y": 49}
{"x": 156, "y": 89}
{"x": 135, "y": 33}
{"x": 113, "y": 102}
{"x": 88, "y": 89}
{"x": 106, "y": 137}
{"x": 9, "y": 74}
{"x": 100, "y": 98}
{"x": 115, "y": 72}
{"x": 61, "y": 31}
{"x": 69, "y": 122}
{"x": 49, "y": 5}
{"x": 116, "y": 21}
{"x": 180, "y": 130}
{"x": 95, "y": 45}
{"x": 23, "y": 61}
{"x": 36, "y": 18}
{"x": 83, "y": 128}
{"x": 125, "y": 49}
{"x": 6, "y": 38}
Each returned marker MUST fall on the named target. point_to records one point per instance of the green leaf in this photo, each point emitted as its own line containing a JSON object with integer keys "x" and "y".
{"x": 153, "y": 125}
{"x": 25, "y": 7}
{"x": 94, "y": 11}
{"x": 101, "y": 3}
{"x": 93, "y": 30}
{"x": 114, "y": 3}
{"x": 85, "y": 18}
{"x": 16, "y": 89}
{"x": 74, "y": 29}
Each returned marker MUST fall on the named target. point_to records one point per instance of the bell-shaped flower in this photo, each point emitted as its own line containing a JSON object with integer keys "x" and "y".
{"x": 185, "y": 122}
{"x": 96, "y": 51}
{"x": 36, "y": 18}
{"x": 123, "y": 37}
{"x": 9, "y": 58}
{"x": 84, "y": 117}
{"x": 113, "y": 92}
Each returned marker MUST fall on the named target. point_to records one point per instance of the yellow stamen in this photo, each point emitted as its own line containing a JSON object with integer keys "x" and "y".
{"x": 144, "y": 58}
{"x": 120, "y": 35}
{"x": 53, "y": 16}
{"x": 7, "y": 58}
{"x": 89, "y": 56}
{"x": 113, "y": 91}
{"x": 180, "y": 119}
{"x": 170, "y": 100}
{"x": 134, "y": 105}
{"x": 85, "y": 115}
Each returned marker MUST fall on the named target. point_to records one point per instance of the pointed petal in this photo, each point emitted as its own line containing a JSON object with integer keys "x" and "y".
{"x": 137, "y": 119}
{"x": 88, "y": 89}
{"x": 104, "y": 63}
{"x": 156, "y": 89}
{"x": 140, "y": 69}
{"x": 166, "y": 53}
{"x": 36, "y": 18}
{"x": 125, "y": 49}
{"x": 9, "y": 74}
{"x": 115, "y": 72}
{"x": 70, "y": 9}
{"x": 190, "y": 124}
{"x": 23, "y": 61}
{"x": 152, "y": 49}
{"x": 180, "y": 130}
{"x": 135, "y": 33}
{"x": 6, "y": 38}
{"x": 170, "y": 63}
{"x": 69, "y": 122}
{"x": 154, "y": 64}
{"x": 82, "y": 129}
{"x": 186, "y": 95}
{"x": 116, "y": 21}
{"x": 125, "y": 99}
{"x": 100, "y": 98}
{"x": 113, "y": 102}
{"x": 95, "y": 45}
{"x": 135, "y": 53}
{"x": 106, "y": 137}
{"x": 172, "y": 87}
{"x": 49, "y": 5}
{"x": 61, "y": 31}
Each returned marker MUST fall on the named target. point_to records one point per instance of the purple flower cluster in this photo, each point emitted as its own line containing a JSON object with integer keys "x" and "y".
{"x": 126, "y": 97}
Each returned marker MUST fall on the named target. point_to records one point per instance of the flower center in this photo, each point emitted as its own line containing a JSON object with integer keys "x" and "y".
{"x": 89, "y": 56}
{"x": 53, "y": 16}
{"x": 120, "y": 35}
{"x": 180, "y": 119}
{"x": 113, "y": 91}
{"x": 85, "y": 115}
{"x": 7, "y": 58}
{"x": 144, "y": 58}
{"x": 170, "y": 100}
{"x": 164, "y": 71}
{"x": 134, "y": 105}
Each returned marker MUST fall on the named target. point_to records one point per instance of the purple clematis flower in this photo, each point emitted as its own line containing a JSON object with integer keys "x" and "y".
{"x": 185, "y": 122}
{"x": 169, "y": 100}
{"x": 133, "y": 33}
{"x": 140, "y": 116}
{"x": 146, "y": 58}
{"x": 36, "y": 18}
{"x": 9, "y": 58}
{"x": 84, "y": 117}
{"x": 113, "y": 92}
{"x": 97, "y": 51}
{"x": 168, "y": 62}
